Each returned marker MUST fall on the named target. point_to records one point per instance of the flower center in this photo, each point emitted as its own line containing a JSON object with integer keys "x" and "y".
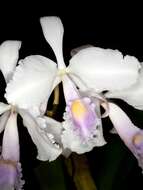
{"x": 62, "y": 72}
{"x": 13, "y": 109}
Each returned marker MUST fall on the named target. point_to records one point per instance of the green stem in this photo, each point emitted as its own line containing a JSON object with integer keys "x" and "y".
{"x": 52, "y": 112}
{"x": 81, "y": 175}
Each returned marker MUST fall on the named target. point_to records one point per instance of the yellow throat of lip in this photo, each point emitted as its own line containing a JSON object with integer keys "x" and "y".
{"x": 137, "y": 139}
{"x": 78, "y": 108}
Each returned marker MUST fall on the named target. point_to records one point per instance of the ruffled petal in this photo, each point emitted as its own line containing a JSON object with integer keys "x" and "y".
{"x": 32, "y": 84}
{"x": 104, "y": 69}
{"x": 4, "y": 107}
{"x": 10, "y": 175}
{"x": 53, "y": 31}
{"x": 9, "y": 51}
{"x": 133, "y": 95}
{"x": 10, "y": 144}
{"x": 129, "y": 133}
{"x": 19, "y": 180}
{"x": 72, "y": 139}
{"x": 3, "y": 120}
{"x": 47, "y": 149}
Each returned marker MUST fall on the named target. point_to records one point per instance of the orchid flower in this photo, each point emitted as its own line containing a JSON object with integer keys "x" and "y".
{"x": 10, "y": 169}
{"x": 82, "y": 128}
{"x": 95, "y": 70}
{"x": 122, "y": 78}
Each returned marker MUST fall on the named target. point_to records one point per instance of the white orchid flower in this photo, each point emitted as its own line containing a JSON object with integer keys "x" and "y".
{"x": 10, "y": 169}
{"x": 107, "y": 70}
{"x": 82, "y": 128}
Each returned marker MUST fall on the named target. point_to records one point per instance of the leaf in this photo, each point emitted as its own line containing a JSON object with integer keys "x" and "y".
{"x": 51, "y": 176}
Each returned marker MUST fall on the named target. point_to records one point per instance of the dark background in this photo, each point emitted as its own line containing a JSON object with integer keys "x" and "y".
{"x": 114, "y": 26}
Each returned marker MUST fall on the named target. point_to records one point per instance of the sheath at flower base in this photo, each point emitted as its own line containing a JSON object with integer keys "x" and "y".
{"x": 10, "y": 170}
{"x": 42, "y": 73}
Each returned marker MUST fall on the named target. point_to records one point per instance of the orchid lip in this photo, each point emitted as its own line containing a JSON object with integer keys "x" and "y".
{"x": 83, "y": 115}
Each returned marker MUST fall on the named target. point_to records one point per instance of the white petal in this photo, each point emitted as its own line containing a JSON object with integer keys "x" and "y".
{"x": 46, "y": 149}
{"x": 4, "y": 107}
{"x": 104, "y": 69}
{"x": 132, "y": 95}
{"x": 3, "y": 120}
{"x": 55, "y": 128}
{"x": 10, "y": 145}
{"x": 9, "y": 51}
{"x": 53, "y": 31}
{"x": 32, "y": 83}
{"x": 76, "y": 50}
{"x": 51, "y": 126}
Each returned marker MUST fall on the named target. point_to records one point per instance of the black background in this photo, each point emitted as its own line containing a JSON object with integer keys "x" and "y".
{"x": 114, "y": 26}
